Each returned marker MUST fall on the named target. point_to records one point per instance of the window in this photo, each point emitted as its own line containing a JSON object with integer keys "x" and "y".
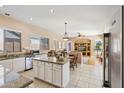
{"x": 35, "y": 43}
{"x": 39, "y": 43}
{"x": 44, "y": 44}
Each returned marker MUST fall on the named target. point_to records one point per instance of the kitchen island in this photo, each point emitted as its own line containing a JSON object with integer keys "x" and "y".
{"x": 52, "y": 71}
{"x": 10, "y": 79}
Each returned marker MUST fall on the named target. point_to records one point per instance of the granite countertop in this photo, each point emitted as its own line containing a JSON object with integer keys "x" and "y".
{"x": 5, "y": 56}
{"x": 51, "y": 60}
{"x": 13, "y": 56}
{"x": 10, "y": 79}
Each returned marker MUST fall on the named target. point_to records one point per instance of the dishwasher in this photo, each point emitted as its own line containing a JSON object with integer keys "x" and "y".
{"x": 28, "y": 63}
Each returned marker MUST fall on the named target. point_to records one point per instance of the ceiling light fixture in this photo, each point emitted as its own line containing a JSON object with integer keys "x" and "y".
{"x": 31, "y": 19}
{"x": 65, "y": 38}
{"x": 52, "y": 11}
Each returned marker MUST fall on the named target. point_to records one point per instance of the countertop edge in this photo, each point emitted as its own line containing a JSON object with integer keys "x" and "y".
{"x": 60, "y": 62}
{"x": 19, "y": 83}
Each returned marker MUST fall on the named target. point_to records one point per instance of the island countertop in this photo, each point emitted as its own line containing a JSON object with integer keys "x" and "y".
{"x": 10, "y": 79}
{"x": 51, "y": 60}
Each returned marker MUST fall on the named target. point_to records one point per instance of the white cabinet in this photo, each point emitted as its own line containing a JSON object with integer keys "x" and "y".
{"x": 48, "y": 72}
{"x": 7, "y": 63}
{"x": 35, "y": 68}
{"x": 19, "y": 64}
{"x": 41, "y": 70}
{"x": 57, "y": 74}
{"x": 65, "y": 74}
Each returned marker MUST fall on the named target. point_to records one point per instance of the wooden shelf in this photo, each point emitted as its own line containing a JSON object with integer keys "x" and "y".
{"x": 83, "y": 46}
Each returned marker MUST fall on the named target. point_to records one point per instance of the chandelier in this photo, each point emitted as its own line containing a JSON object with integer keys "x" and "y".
{"x": 65, "y": 37}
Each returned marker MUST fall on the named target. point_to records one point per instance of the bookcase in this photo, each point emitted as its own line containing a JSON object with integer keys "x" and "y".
{"x": 83, "y": 46}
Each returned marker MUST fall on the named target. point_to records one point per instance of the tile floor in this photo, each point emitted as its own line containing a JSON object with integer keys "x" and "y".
{"x": 85, "y": 76}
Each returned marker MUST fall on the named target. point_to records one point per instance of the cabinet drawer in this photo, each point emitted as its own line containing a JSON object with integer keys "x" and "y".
{"x": 40, "y": 63}
{"x": 35, "y": 63}
{"x": 56, "y": 66}
{"x": 48, "y": 64}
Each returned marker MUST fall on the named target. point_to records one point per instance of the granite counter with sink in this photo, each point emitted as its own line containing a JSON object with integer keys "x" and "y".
{"x": 10, "y": 79}
{"x": 5, "y": 56}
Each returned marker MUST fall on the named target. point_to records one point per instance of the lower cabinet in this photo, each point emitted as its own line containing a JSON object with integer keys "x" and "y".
{"x": 41, "y": 70}
{"x": 19, "y": 64}
{"x": 7, "y": 63}
{"x": 35, "y": 68}
{"x": 57, "y": 75}
{"x": 48, "y": 72}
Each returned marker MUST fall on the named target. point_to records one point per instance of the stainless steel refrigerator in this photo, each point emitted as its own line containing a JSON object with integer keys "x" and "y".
{"x": 113, "y": 70}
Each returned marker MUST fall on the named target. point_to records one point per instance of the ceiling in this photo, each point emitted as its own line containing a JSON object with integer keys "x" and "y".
{"x": 88, "y": 20}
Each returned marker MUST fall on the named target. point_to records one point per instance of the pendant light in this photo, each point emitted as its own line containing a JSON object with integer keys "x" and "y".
{"x": 65, "y": 38}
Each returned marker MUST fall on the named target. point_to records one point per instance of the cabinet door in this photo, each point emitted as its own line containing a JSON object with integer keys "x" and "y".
{"x": 35, "y": 71}
{"x": 57, "y": 75}
{"x": 7, "y": 64}
{"x": 35, "y": 68}
{"x": 48, "y": 72}
{"x": 41, "y": 70}
{"x": 19, "y": 64}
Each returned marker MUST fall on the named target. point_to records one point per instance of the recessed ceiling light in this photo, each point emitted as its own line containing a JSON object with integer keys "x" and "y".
{"x": 52, "y": 11}
{"x": 31, "y": 19}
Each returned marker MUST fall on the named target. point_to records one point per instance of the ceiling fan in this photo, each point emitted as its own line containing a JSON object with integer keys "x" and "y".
{"x": 80, "y": 35}
{"x": 67, "y": 37}
{"x": 77, "y": 35}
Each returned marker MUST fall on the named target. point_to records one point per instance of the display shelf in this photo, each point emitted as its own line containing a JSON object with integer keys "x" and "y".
{"x": 83, "y": 46}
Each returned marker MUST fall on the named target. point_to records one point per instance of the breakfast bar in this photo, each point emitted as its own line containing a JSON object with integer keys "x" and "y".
{"x": 52, "y": 70}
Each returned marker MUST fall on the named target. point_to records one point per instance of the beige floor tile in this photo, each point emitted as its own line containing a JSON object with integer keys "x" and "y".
{"x": 90, "y": 85}
{"x": 71, "y": 86}
{"x": 82, "y": 84}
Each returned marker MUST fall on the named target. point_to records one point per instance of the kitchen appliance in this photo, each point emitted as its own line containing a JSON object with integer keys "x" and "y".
{"x": 28, "y": 62}
{"x": 107, "y": 61}
{"x": 35, "y": 52}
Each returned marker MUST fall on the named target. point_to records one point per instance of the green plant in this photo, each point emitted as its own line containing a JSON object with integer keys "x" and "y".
{"x": 98, "y": 47}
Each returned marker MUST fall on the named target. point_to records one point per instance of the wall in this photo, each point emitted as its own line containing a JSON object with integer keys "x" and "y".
{"x": 27, "y": 30}
{"x": 114, "y": 26}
